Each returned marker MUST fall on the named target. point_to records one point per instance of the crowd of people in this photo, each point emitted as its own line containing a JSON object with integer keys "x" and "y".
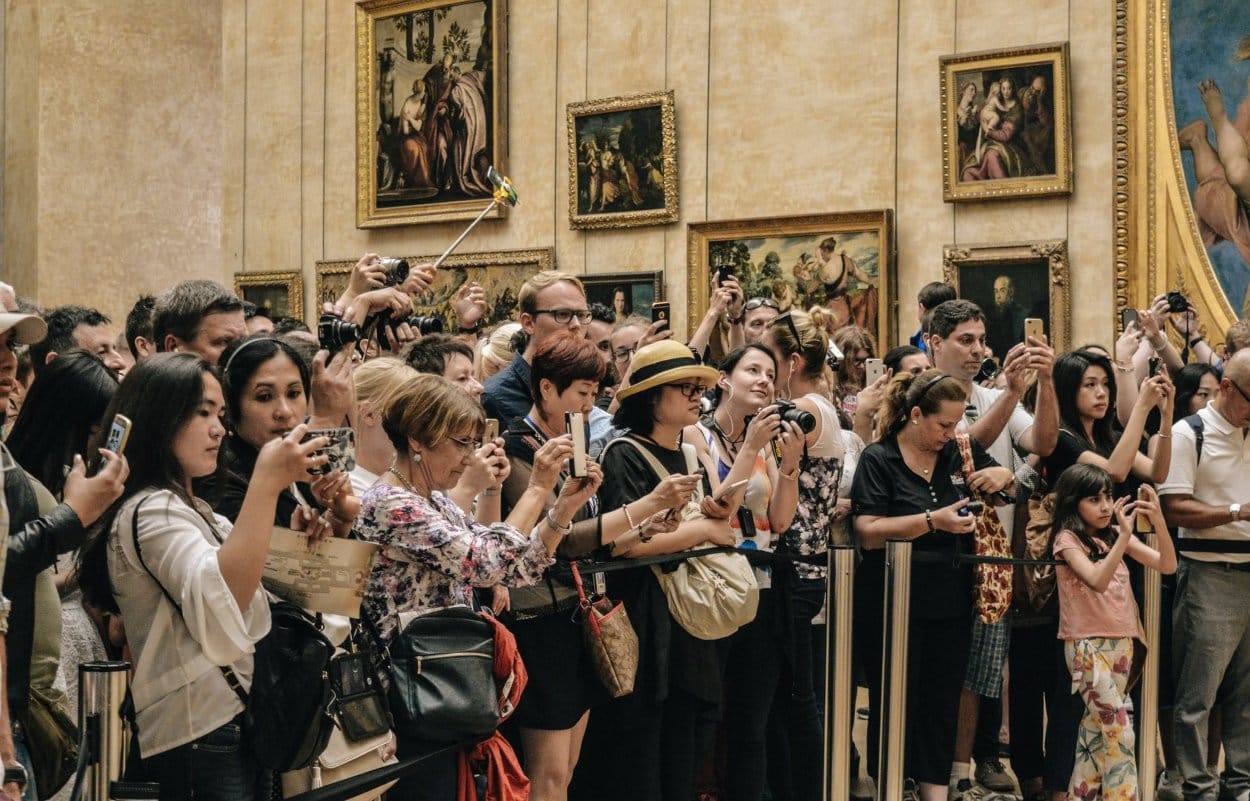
{"x": 766, "y": 433}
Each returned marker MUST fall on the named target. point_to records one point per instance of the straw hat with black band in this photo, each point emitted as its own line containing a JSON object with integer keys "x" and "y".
{"x": 29, "y": 328}
{"x": 664, "y": 362}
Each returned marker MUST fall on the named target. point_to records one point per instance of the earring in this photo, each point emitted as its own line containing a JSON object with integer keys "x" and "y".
{"x": 915, "y": 422}
{"x": 416, "y": 457}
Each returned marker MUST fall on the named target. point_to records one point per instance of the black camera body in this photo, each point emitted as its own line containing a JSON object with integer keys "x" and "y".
{"x": 989, "y": 369}
{"x": 973, "y": 508}
{"x": 793, "y": 414}
{"x": 333, "y": 332}
{"x": 1177, "y": 303}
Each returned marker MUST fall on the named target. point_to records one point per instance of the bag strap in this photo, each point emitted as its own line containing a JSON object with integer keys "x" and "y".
{"x": 660, "y": 472}
{"x": 964, "y": 440}
{"x": 1195, "y": 422}
{"x": 227, "y": 673}
{"x": 583, "y": 601}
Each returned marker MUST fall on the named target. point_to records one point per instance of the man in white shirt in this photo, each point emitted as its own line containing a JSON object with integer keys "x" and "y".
{"x": 1207, "y": 495}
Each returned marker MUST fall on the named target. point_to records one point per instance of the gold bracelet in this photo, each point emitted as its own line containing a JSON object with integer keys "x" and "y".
{"x": 793, "y": 475}
{"x": 492, "y": 492}
{"x": 1122, "y": 369}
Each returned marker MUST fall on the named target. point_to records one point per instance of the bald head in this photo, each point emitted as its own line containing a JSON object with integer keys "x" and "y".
{"x": 1237, "y": 368}
{"x": 1233, "y": 399}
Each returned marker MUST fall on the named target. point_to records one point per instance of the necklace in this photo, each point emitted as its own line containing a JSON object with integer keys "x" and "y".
{"x": 407, "y": 484}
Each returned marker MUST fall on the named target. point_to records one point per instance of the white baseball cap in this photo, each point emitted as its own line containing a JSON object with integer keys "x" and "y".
{"x": 29, "y": 328}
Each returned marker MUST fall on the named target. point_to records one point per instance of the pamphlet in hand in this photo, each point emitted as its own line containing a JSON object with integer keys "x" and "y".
{"x": 329, "y": 579}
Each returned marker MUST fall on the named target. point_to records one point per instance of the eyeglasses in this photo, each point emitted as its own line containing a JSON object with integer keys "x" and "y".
{"x": 755, "y": 303}
{"x": 467, "y": 445}
{"x": 1240, "y": 391}
{"x": 622, "y": 354}
{"x": 690, "y": 391}
{"x": 564, "y": 316}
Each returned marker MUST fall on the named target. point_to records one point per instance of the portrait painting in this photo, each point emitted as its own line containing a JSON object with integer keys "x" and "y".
{"x": 843, "y": 262}
{"x": 1012, "y": 283}
{"x": 500, "y": 274}
{"x": 1211, "y": 97}
{"x": 279, "y": 294}
{"x": 625, "y": 293}
{"x": 622, "y": 161}
{"x": 1005, "y": 124}
{"x": 431, "y": 109}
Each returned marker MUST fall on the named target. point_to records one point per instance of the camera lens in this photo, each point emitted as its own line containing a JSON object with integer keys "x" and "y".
{"x": 396, "y": 271}
{"x": 426, "y": 324}
{"x": 792, "y": 414}
{"x": 333, "y": 333}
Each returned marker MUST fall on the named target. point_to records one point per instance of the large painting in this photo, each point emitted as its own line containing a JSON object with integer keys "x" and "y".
{"x": 625, "y": 293}
{"x": 431, "y": 108}
{"x": 280, "y": 294}
{"x": 844, "y": 262}
{"x": 1006, "y": 129}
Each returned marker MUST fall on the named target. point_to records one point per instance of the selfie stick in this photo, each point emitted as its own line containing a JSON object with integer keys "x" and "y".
{"x": 504, "y": 193}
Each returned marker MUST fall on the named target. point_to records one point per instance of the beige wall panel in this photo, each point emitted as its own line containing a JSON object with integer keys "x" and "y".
{"x": 312, "y": 166}
{"x": 21, "y": 146}
{"x": 923, "y": 222}
{"x": 234, "y": 131}
{"x": 1091, "y": 248}
{"x": 274, "y": 146}
{"x": 130, "y": 148}
{"x": 572, "y": 29}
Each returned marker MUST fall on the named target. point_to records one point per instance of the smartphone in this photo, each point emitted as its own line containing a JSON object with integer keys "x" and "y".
{"x": 730, "y": 490}
{"x": 659, "y": 311}
{"x": 1127, "y": 316}
{"x": 575, "y": 425}
{"x": 1033, "y": 327}
{"x": 874, "y": 369}
{"x": 492, "y": 430}
{"x": 723, "y": 272}
{"x": 119, "y": 432}
{"x": 1154, "y": 365}
{"x": 341, "y": 450}
{"x": 1143, "y": 524}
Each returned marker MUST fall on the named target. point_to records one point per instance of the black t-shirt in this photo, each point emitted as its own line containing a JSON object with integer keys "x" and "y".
{"x": 1067, "y": 452}
{"x": 885, "y": 486}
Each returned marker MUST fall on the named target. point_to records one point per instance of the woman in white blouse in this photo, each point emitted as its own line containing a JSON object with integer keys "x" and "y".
{"x": 186, "y": 582}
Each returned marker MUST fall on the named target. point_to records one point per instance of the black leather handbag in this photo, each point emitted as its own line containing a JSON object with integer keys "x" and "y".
{"x": 443, "y": 679}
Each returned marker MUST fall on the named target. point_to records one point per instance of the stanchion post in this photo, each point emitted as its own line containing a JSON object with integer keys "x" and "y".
{"x": 1148, "y": 715}
{"x": 839, "y": 688}
{"x": 893, "y": 704}
{"x": 101, "y": 693}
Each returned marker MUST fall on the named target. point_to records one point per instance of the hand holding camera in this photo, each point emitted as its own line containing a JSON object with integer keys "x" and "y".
{"x": 957, "y": 518}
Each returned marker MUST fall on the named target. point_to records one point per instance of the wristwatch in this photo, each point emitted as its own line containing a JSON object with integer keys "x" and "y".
{"x": 1234, "y": 511}
{"x": 16, "y": 774}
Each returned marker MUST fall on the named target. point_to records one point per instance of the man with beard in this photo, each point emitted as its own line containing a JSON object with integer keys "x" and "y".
{"x": 1004, "y": 321}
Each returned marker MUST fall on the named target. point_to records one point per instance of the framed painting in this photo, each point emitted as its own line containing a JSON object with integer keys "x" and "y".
{"x": 842, "y": 261}
{"x": 281, "y": 294}
{"x": 623, "y": 161}
{"x": 431, "y": 109}
{"x": 625, "y": 293}
{"x": 1006, "y": 123}
{"x": 1011, "y": 283}
{"x": 500, "y": 273}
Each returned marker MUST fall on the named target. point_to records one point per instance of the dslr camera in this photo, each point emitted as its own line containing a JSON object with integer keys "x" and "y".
{"x": 793, "y": 414}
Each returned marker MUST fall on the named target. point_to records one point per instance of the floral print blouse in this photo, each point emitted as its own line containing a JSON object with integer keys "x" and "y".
{"x": 433, "y": 555}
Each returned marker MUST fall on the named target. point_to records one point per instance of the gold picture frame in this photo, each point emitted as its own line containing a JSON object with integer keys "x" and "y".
{"x": 764, "y": 254}
{"x": 282, "y": 294}
{"x": 998, "y": 146}
{"x": 1037, "y": 274}
{"x": 625, "y": 293}
{"x": 431, "y": 109}
{"x": 614, "y": 163}
{"x": 500, "y": 273}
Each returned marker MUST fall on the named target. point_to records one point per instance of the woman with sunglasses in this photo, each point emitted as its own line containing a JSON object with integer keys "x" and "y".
{"x": 910, "y": 484}
{"x": 678, "y": 685}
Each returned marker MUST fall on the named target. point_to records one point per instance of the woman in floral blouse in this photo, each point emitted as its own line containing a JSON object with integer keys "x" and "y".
{"x": 433, "y": 554}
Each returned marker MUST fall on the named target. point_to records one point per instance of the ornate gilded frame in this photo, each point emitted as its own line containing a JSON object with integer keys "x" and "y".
{"x": 595, "y": 281}
{"x": 1157, "y": 246}
{"x": 369, "y": 214}
{"x": 664, "y": 101}
{"x": 880, "y": 223}
{"x": 1054, "y": 54}
{"x": 1053, "y": 252}
{"x": 291, "y": 282}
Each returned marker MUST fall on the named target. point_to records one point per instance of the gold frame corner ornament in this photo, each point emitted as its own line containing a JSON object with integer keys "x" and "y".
{"x": 1055, "y": 253}
{"x": 292, "y": 281}
{"x": 955, "y": 190}
{"x": 665, "y": 101}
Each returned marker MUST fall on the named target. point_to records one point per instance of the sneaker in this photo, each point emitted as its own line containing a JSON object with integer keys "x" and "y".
{"x": 1169, "y": 787}
{"x": 911, "y": 790}
{"x": 864, "y": 789}
{"x": 965, "y": 790}
{"x": 990, "y": 772}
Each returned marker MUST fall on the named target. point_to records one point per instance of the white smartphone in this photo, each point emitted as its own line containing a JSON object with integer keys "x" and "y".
{"x": 874, "y": 369}
{"x": 730, "y": 490}
{"x": 576, "y": 427}
{"x": 119, "y": 432}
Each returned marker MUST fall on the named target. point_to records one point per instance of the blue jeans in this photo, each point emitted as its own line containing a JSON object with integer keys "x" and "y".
{"x": 31, "y": 793}
{"x": 216, "y": 767}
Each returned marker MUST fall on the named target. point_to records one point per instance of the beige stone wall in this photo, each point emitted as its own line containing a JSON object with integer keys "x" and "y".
{"x": 229, "y": 136}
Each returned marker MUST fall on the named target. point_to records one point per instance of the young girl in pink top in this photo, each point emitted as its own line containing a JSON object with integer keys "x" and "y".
{"x": 1098, "y": 620}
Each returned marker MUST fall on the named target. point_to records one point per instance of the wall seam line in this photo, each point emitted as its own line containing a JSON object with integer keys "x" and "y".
{"x": 303, "y": 39}
{"x": 586, "y": 96}
{"x": 243, "y": 192}
{"x": 955, "y": 206}
{"x": 707, "y": 127}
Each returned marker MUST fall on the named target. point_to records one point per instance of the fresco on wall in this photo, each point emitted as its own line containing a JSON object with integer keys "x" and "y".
{"x": 1210, "y": 42}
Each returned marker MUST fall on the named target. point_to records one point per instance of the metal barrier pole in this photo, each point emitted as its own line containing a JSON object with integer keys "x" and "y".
{"x": 1148, "y": 715}
{"x": 839, "y": 687}
{"x": 894, "y": 671}
{"x": 101, "y": 693}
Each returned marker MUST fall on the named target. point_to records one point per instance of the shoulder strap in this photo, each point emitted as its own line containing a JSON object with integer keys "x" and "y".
{"x": 226, "y": 672}
{"x": 646, "y": 454}
{"x": 1195, "y": 422}
{"x": 964, "y": 440}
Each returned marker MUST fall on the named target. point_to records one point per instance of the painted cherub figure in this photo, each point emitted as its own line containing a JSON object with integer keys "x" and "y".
{"x": 991, "y": 115}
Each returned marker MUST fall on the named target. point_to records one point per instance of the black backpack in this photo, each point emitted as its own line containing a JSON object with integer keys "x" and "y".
{"x": 286, "y": 721}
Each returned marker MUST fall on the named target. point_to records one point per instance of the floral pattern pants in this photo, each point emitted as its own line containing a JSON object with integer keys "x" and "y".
{"x": 1105, "y": 743}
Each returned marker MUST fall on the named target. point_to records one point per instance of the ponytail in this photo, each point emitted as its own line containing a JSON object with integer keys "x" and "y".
{"x": 907, "y": 391}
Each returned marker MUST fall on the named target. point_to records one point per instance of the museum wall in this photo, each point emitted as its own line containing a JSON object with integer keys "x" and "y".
{"x": 227, "y": 141}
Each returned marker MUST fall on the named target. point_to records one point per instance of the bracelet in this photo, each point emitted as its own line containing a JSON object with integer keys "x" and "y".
{"x": 469, "y": 330}
{"x": 928, "y": 518}
{"x": 492, "y": 492}
{"x": 1119, "y": 368}
{"x": 793, "y": 475}
{"x": 735, "y": 320}
{"x": 563, "y": 531}
{"x": 1194, "y": 342}
{"x": 1163, "y": 436}
{"x": 629, "y": 518}
{"x": 1160, "y": 347}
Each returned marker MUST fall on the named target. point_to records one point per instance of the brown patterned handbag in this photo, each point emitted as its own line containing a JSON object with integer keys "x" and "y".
{"x": 992, "y": 582}
{"x": 610, "y": 639}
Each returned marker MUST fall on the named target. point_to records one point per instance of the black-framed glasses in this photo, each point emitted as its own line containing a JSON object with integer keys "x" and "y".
{"x": 564, "y": 316}
{"x": 1237, "y": 387}
{"x": 690, "y": 391}
{"x": 755, "y": 303}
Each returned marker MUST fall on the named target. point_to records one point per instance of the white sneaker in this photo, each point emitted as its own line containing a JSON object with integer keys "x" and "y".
{"x": 1169, "y": 787}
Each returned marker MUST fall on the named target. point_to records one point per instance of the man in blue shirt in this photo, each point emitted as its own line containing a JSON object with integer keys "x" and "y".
{"x": 934, "y": 294}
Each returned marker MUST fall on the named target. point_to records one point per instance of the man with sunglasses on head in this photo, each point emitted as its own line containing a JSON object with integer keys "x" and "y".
{"x": 757, "y": 313}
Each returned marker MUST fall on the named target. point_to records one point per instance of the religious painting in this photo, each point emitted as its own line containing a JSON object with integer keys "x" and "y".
{"x": 843, "y": 262}
{"x": 625, "y": 293}
{"x": 1012, "y": 283}
{"x": 500, "y": 273}
{"x": 622, "y": 161}
{"x": 1006, "y": 124}
{"x": 279, "y": 294}
{"x": 431, "y": 109}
